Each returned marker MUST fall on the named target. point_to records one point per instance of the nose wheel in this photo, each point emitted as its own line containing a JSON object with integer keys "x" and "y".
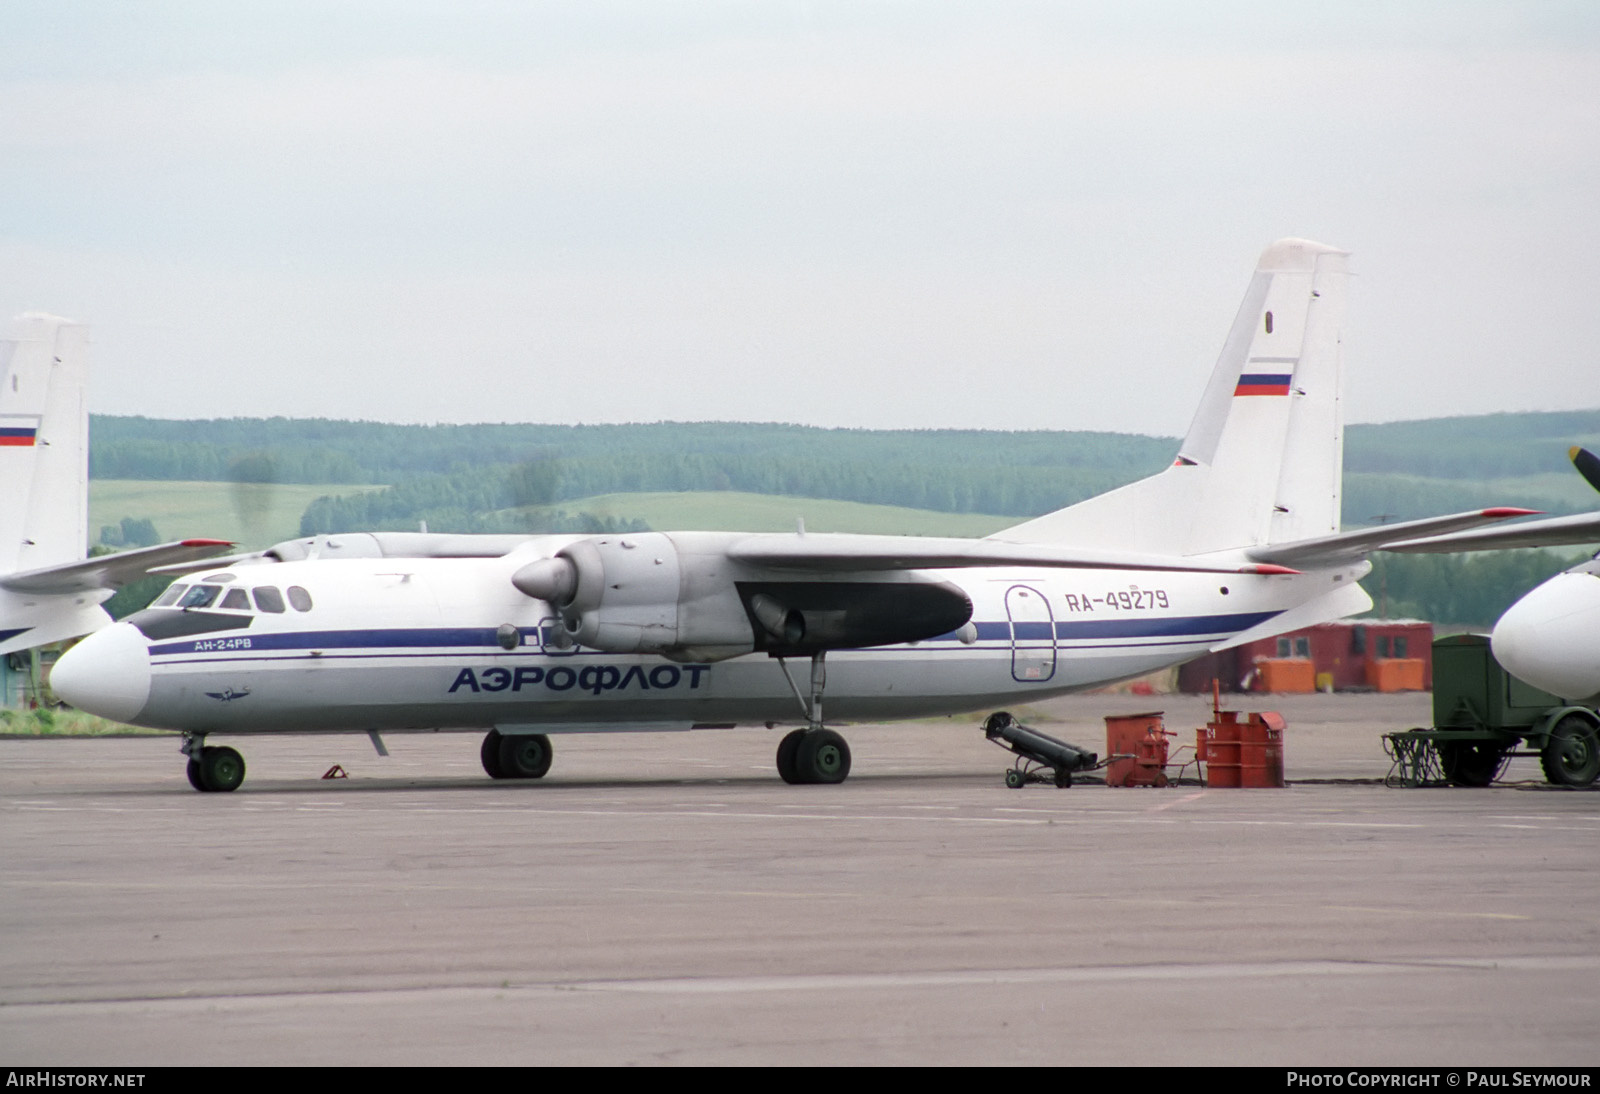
{"x": 212, "y": 769}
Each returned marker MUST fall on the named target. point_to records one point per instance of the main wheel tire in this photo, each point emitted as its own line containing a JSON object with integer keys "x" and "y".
{"x": 524, "y": 755}
{"x": 1470, "y": 763}
{"x": 1572, "y": 755}
{"x": 1063, "y": 778}
{"x": 1014, "y": 779}
{"x": 489, "y": 754}
{"x": 193, "y": 771}
{"x": 823, "y": 757}
{"x": 221, "y": 769}
{"x": 788, "y": 748}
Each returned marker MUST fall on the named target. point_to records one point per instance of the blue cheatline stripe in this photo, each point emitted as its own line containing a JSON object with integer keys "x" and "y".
{"x": 484, "y": 637}
{"x": 7, "y": 635}
{"x": 341, "y": 640}
{"x": 1151, "y": 627}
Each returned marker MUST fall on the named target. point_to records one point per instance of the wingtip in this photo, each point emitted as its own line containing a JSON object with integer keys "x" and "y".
{"x": 1511, "y": 511}
{"x": 1269, "y": 568}
{"x": 207, "y": 543}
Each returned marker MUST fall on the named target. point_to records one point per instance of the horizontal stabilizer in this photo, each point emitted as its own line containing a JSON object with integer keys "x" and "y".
{"x": 1584, "y": 528}
{"x": 1344, "y": 547}
{"x": 110, "y": 571}
{"x": 844, "y": 553}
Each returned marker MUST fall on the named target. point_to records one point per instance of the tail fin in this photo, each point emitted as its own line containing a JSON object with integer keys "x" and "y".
{"x": 1263, "y": 458}
{"x": 44, "y": 443}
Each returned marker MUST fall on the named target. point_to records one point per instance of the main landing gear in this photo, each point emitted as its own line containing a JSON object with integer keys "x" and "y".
{"x": 212, "y": 769}
{"x": 812, "y": 754}
{"x": 515, "y": 755}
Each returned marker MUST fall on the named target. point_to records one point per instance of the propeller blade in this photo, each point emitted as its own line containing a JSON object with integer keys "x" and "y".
{"x": 1587, "y": 463}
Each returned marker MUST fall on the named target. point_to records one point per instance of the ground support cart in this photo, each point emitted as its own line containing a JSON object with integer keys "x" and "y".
{"x": 1038, "y": 753}
{"x": 1481, "y": 714}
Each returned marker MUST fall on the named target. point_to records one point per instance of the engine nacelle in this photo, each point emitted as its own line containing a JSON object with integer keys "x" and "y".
{"x": 680, "y": 596}
{"x": 641, "y": 593}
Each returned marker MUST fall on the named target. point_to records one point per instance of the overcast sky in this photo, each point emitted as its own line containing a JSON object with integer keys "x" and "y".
{"x": 862, "y": 214}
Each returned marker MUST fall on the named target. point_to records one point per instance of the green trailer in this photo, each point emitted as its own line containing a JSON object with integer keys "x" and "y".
{"x": 1481, "y": 714}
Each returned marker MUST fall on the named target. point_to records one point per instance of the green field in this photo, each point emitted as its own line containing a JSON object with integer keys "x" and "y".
{"x": 732, "y": 511}
{"x": 260, "y": 515}
{"x": 250, "y": 514}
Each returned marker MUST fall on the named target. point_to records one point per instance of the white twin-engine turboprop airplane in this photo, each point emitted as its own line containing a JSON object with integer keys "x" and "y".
{"x": 522, "y": 636}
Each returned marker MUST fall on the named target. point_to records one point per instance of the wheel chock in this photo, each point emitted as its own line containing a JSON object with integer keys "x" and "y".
{"x": 335, "y": 772}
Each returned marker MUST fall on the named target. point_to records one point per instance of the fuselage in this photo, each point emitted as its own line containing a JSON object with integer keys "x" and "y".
{"x": 421, "y": 644}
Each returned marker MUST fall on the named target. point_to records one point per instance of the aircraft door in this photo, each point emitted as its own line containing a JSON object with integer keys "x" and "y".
{"x": 1033, "y": 634}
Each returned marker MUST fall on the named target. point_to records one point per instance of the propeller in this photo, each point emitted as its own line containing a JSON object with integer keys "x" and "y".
{"x": 1587, "y": 463}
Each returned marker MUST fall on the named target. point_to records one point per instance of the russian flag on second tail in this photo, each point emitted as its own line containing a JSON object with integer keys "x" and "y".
{"x": 13, "y": 434}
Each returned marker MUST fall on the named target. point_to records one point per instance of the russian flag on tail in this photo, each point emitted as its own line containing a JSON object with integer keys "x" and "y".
{"x": 18, "y": 436}
{"x": 1263, "y": 383}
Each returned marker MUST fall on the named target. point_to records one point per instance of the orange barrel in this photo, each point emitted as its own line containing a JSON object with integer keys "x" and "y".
{"x": 1222, "y": 750}
{"x": 1129, "y": 737}
{"x": 1261, "y": 750}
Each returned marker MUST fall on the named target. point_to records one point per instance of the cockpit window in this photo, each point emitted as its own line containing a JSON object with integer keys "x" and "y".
{"x": 200, "y": 596}
{"x": 170, "y": 597}
{"x": 299, "y": 599}
{"x": 268, "y": 599}
{"x": 236, "y": 599}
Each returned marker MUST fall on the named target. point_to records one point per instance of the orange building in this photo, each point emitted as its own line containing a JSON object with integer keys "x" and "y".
{"x": 1358, "y": 655}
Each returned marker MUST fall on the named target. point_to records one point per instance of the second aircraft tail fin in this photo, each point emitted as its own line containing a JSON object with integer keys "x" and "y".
{"x": 44, "y": 443}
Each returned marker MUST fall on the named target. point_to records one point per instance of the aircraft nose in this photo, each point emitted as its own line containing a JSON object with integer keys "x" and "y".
{"x": 107, "y": 673}
{"x": 1548, "y": 637}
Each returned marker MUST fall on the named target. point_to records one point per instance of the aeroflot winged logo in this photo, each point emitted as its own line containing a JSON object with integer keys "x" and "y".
{"x": 228, "y": 695}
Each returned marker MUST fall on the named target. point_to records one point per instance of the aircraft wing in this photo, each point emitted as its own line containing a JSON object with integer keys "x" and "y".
{"x": 1584, "y": 528}
{"x": 110, "y": 571}
{"x": 835, "y": 553}
{"x": 1345, "y": 547}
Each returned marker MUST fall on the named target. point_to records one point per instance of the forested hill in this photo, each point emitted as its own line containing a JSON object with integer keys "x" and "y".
{"x": 1393, "y": 471}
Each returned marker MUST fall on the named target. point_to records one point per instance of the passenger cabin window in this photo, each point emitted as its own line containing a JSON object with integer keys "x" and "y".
{"x": 200, "y": 596}
{"x": 268, "y": 599}
{"x": 237, "y": 600}
{"x": 170, "y": 597}
{"x": 299, "y": 599}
